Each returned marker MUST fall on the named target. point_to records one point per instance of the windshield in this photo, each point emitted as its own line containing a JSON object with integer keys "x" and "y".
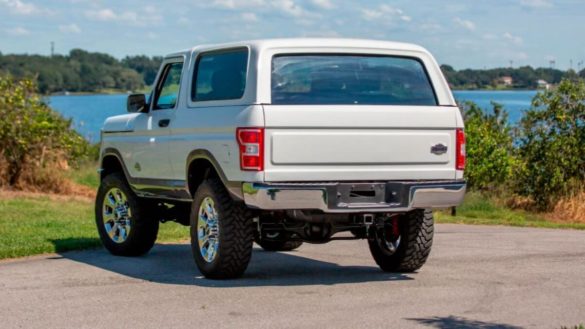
{"x": 350, "y": 79}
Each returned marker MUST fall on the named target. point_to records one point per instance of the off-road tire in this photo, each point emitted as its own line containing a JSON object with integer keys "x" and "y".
{"x": 144, "y": 228}
{"x": 278, "y": 245}
{"x": 416, "y": 239}
{"x": 236, "y": 233}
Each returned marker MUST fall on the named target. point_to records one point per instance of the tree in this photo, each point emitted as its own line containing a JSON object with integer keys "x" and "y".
{"x": 489, "y": 146}
{"x": 146, "y": 66}
{"x": 32, "y": 136}
{"x": 551, "y": 144}
{"x": 79, "y": 71}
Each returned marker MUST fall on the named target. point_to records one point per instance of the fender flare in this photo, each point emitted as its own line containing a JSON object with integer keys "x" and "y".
{"x": 234, "y": 188}
{"x": 110, "y": 151}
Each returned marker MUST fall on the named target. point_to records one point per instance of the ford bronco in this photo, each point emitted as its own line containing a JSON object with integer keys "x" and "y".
{"x": 282, "y": 142}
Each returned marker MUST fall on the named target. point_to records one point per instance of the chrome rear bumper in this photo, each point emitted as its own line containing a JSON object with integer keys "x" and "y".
{"x": 334, "y": 197}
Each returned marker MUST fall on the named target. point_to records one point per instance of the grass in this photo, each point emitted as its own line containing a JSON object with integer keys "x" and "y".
{"x": 85, "y": 175}
{"x": 36, "y": 225}
{"x": 478, "y": 209}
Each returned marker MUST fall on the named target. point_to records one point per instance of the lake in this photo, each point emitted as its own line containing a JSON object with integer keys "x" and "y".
{"x": 89, "y": 111}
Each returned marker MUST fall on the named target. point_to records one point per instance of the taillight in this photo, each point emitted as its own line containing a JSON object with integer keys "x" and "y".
{"x": 460, "y": 156}
{"x": 251, "y": 142}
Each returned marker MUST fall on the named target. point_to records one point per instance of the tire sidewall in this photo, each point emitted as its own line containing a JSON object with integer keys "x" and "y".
{"x": 118, "y": 181}
{"x": 412, "y": 252}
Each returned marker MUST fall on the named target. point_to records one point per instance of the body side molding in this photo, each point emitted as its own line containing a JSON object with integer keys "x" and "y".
{"x": 169, "y": 189}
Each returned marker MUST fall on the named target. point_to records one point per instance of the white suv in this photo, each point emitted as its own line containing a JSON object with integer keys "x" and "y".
{"x": 283, "y": 142}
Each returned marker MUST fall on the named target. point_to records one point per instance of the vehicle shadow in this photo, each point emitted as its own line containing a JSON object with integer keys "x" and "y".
{"x": 459, "y": 322}
{"x": 173, "y": 264}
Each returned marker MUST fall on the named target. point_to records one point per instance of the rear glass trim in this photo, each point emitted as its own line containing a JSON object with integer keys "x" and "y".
{"x": 417, "y": 59}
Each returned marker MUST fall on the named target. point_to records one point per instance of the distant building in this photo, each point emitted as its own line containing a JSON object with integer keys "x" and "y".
{"x": 506, "y": 81}
{"x": 542, "y": 84}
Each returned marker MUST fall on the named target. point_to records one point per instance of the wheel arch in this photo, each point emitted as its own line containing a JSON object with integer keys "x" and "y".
{"x": 111, "y": 162}
{"x": 201, "y": 164}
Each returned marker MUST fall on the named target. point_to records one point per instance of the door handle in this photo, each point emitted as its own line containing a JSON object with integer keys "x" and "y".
{"x": 164, "y": 123}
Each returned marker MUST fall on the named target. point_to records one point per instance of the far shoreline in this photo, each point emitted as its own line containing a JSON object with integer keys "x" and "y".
{"x": 122, "y": 92}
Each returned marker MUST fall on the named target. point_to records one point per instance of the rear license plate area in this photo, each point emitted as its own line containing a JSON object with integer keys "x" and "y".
{"x": 361, "y": 193}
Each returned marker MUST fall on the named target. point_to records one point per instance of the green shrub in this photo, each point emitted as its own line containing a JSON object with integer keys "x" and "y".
{"x": 489, "y": 146}
{"x": 34, "y": 139}
{"x": 551, "y": 145}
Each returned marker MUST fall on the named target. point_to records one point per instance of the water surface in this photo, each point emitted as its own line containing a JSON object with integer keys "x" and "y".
{"x": 90, "y": 111}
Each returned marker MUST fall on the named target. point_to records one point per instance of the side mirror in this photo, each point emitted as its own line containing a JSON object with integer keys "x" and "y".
{"x": 136, "y": 103}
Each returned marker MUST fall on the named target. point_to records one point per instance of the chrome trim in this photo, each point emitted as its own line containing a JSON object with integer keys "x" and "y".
{"x": 434, "y": 196}
{"x": 323, "y": 196}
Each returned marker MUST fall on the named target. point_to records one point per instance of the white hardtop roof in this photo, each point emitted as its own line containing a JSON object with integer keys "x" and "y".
{"x": 307, "y": 43}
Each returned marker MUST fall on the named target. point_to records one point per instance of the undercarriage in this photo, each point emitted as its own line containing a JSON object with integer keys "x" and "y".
{"x": 315, "y": 227}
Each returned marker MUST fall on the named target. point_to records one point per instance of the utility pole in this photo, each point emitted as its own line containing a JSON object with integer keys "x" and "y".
{"x": 511, "y": 63}
{"x": 552, "y": 63}
{"x": 52, "y": 48}
{"x": 571, "y": 63}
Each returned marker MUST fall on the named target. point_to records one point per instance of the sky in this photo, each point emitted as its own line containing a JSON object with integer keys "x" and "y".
{"x": 461, "y": 33}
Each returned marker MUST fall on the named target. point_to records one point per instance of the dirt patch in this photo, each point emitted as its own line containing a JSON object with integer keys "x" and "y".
{"x": 520, "y": 202}
{"x": 83, "y": 195}
{"x": 35, "y": 181}
{"x": 569, "y": 209}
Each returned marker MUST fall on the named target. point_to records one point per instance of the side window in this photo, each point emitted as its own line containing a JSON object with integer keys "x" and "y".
{"x": 220, "y": 75}
{"x": 168, "y": 91}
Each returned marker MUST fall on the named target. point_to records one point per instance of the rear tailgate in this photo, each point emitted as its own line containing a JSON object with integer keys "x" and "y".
{"x": 359, "y": 142}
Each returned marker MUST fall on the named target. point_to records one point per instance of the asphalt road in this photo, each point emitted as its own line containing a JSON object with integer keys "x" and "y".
{"x": 477, "y": 276}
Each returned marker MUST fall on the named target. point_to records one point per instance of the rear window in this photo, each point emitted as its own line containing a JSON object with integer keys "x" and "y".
{"x": 220, "y": 75}
{"x": 350, "y": 79}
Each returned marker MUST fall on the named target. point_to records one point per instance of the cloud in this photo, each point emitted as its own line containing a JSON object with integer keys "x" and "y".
{"x": 17, "y": 31}
{"x": 70, "y": 28}
{"x": 289, "y": 7}
{"x": 536, "y": 3}
{"x": 147, "y": 17}
{"x": 249, "y": 17}
{"x": 237, "y": 4}
{"x": 506, "y": 36}
{"x": 386, "y": 12}
{"x": 20, "y": 7}
{"x": 466, "y": 24}
{"x": 325, "y": 4}
{"x": 512, "y": 38}
{"x": 101, "y": 15}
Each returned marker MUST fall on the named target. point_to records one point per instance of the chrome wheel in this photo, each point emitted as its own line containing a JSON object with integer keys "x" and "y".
{"x": 117, "y": 213}
{"x": 208, "y": 230}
